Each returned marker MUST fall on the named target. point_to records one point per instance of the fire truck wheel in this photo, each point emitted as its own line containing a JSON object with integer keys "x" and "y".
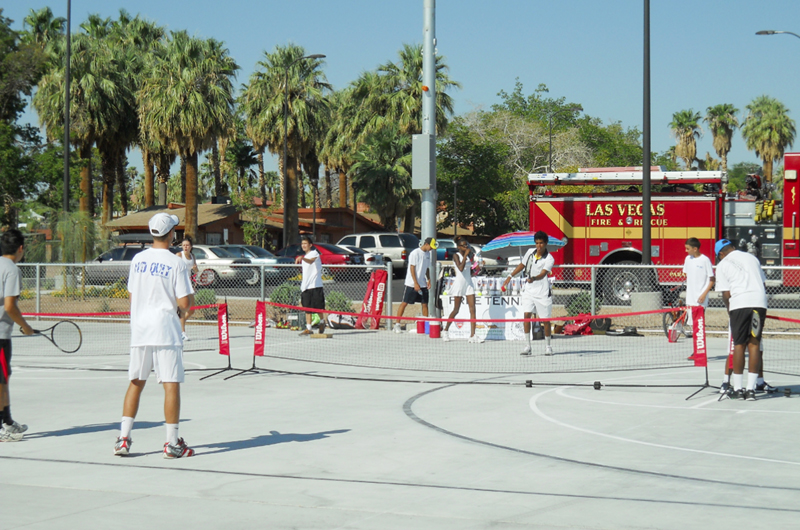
{"x": 618, "y": 284}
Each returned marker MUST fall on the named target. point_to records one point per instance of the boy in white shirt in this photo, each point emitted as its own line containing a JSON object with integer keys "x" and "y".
{"x": 159, "y": 289}
{"x": 418, "y": 279}
{"x": 699, "y": 278}
{"x": 312, "y": 295}
{"x": 537, "y": 296}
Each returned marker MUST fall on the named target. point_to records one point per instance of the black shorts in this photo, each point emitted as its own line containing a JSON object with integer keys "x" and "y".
{"x": 313, "y": 298}
{"x": 410, "y": 296}
{"x": 747, "y": 323}
{"x": 5, "y": 361}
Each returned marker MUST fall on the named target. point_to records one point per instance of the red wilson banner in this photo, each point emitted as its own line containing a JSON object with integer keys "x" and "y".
{"x": 261, "y": 320}
{"x": 373, "y": 301}
{"x": 222, "y": 323}
{"x": 699, "y": 335}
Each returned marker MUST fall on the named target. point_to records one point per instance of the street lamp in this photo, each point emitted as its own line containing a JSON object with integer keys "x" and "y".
{"x": 455, "y": 208}
{"x": 286, "y": 136}
{"x": 773, "y": 32}
{"x": 576, "y": 108}
{"x": 314, "y": 181}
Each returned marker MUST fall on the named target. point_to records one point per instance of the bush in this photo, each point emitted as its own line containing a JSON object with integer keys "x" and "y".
{"x": 581, "y": 303}
{"x": 206, "y": 297}
{"x": 338, "y": 301}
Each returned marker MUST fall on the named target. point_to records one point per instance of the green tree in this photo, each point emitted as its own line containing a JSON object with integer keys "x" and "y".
{"x": 484, "y": 182}
{"x": 185, "y": 101}
{"x": 285, "y": 75}
{"x": 738, "y": 174}
{"x": 722, "y": 121}
{"x": 21, "y": 66}
{"x": 685, "y": 126}
{"x": 768, "y": 130}
{"x": 382, "y": 174}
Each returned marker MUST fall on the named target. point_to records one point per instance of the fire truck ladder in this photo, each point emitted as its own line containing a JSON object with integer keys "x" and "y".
{"x": 625, "y": 176}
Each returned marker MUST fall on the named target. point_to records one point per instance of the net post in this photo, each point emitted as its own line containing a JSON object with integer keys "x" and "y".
{"x": 594, "y": 289}
{"x": 263, "y": 286}
{"x": 389, "y": 300}
{"x": 38, "y": 291}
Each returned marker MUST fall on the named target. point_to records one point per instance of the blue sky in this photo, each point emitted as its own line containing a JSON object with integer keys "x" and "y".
{"x": 703, "y": 52}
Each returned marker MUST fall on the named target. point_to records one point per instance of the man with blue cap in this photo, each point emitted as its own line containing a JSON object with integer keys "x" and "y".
{"x": 741, "y": 280}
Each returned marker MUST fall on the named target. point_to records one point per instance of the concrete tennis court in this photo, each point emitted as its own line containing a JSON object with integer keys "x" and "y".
{"x": 326, "y": 445}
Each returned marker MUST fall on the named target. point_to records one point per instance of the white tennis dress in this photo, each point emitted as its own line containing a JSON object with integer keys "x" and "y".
{"x": 462, "y": 285}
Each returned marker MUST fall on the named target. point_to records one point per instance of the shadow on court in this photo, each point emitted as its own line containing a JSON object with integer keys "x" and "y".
{"x": 93, "y": 428}
{"x": 273, "y": 438}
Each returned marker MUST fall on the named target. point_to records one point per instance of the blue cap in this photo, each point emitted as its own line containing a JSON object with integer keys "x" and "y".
{"x": 722, "y": 243}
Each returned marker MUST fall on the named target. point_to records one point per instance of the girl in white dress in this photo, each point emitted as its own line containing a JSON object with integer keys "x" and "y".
{"x": 462, "y": 287}
{"x": 191, "y": 267}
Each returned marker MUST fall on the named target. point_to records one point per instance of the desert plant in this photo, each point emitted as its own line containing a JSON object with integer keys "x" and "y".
{"x": 338, "y": 301}
{"x": 581, "y": 303}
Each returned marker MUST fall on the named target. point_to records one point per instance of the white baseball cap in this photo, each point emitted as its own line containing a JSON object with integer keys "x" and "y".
{"x": 161, "y": 223}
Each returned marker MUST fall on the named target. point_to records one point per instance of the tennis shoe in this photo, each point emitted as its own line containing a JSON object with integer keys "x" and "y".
{"x": 724, "y": 388}
{"x": 475, "y": 339}
{"x": 526, "y": 350}
{"x": 445, "y": 336}
{"x": 123, "y": 446}
{"x": 548, "y": 350}
{"x": 8, "y": 436}
{"x": 16, "y": 428}
{"x": 305, "y": 332}
{"x": 184, "y": 337}
{"x": 397, "y": 328}
{"x": 750, "y": 395}
{"x": 177, "y": 451}
{"x": 736, "y": 394}
{"x": 765, "y": 387}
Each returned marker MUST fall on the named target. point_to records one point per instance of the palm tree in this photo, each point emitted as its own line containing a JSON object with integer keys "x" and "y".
{"x": 43, "y": 29}
{"x": 686, "y": 128}
{"x": 722, "y": 121}
{"x": 282, "y": 72}
{"x": 768, "y": 130}
{"x": 382, "y": 173}
{"x": 185, "y": 101}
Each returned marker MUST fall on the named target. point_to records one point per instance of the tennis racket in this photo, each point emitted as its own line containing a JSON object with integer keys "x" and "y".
{"x": 66, "y": 336}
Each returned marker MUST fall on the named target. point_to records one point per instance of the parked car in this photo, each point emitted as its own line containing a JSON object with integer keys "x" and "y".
{"x": 111, "y": 266}
{"x": 329, "y": 255}
{"x": 260, "y": 256}
{"x": 215, "y": 263}
{"x": 374, "y": 260}
{"x": 446, "y": 249}
{"x": 395, "y": 247}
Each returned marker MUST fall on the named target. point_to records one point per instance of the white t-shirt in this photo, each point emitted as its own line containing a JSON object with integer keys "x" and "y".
{"x": 156, "y": 281}
{"x": 190, "y": 262}
{"x": 533, "y": 267}
{"x": 698, "y": 273}
{"x": 742, "y": 275}
{"x": 312, "y": 272}
{"x": 421, "y": 261}
{"x": 10, "y": 285}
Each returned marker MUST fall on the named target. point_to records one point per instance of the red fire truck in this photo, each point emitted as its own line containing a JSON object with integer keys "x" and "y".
{"x": 605, "y": 227}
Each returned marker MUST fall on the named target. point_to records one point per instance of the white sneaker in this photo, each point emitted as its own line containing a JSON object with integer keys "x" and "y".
{"x": 397, "y": 328}
{"x": 475, "y": 339}
{"x": 526, "y": 350}
{"x": 16, "y": 428}
{"x": 445, "y": 336}
{"x": 184, "y": 337}
{"x": 8, "y": 436}
{"x": 548, "y": 350}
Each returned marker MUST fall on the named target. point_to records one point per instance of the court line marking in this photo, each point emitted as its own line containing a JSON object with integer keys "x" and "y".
{"x": 535, "y": 408}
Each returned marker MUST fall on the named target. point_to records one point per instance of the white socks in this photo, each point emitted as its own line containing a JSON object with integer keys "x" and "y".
{"x": 737, "y": 381}
{"x": 308, "y": 327}
{"x": 172, "y": 433}
{"x": 751, "y": 380}
{"x": 547, "y": 340}
{"x": 126, "y": 428}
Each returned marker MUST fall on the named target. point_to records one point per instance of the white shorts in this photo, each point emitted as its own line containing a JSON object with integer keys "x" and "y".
{"x": 543, "y": 307}
{"x": 166, "y": 360}
{"x": 462, "y": 288}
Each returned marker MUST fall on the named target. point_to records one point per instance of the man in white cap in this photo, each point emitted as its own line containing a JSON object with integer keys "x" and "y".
{"x": 418, "y": 279}
{"x": 159, "y": 290}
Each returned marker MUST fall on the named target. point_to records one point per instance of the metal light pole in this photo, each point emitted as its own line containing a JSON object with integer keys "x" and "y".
{"x": 65, "y": 205}
{"x": 314, "y": 181}
{"x": 646, "y": 188}
{"x": 550, "y": 129}
{"x": 455, "y": 208}
{"x": 286, "y": 138}
{"x": 773, "y": 32}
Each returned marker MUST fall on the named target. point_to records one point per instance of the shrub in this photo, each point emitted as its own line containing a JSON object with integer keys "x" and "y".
{"x": 582, "y": 303}
{"x": 338, "y": 301}
{"x": 206, "y": 297}
{"x": 286, "y": 293}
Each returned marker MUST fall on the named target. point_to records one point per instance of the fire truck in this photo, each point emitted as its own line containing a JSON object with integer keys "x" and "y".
{"x": 604, "y": 227}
